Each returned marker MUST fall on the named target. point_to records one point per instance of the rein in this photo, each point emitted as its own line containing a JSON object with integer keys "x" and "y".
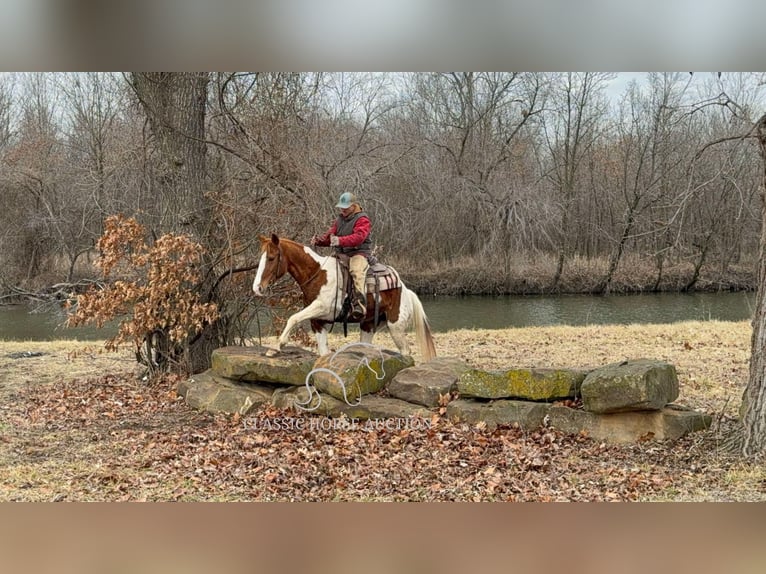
{"x": 314, "y": 276}
{"x": 279, "y": 259}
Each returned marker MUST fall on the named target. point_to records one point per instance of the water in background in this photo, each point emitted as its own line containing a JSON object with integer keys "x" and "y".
{"x": 17, "y": 323}
{"x": 448, "y": 313}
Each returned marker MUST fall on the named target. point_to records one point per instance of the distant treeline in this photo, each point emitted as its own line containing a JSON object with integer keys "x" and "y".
{"x": 476, "y": 182}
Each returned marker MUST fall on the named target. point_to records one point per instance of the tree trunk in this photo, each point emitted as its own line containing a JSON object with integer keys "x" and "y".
{"x": 660, "y": 259}
{"x": 704, "y": 249}
{"x": 616, "y": 256}
{"x": 563, "y": 252}
{"x": 175, "y": 105}
{"x": 754, "y": 398}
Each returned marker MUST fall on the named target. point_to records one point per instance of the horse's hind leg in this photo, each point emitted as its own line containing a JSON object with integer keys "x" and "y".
{"x": 399, "y": 335}
{"x": 365, "y": 336}
{"x": 321, "y": 338}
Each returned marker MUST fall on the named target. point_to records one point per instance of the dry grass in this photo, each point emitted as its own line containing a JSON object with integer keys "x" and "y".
{"x": 61, "y": 458}
{"x": 63, "y": 359}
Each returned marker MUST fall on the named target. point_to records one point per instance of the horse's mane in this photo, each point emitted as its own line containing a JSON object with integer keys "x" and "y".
{"x": 296, "y": 244}
{"x": 293, "y": 241}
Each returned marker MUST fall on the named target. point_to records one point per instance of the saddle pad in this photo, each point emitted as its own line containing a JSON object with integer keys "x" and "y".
{"x": 383, "y": 275}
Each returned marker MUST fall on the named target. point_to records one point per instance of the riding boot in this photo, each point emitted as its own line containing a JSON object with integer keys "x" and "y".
{"x": 358, "y": 307}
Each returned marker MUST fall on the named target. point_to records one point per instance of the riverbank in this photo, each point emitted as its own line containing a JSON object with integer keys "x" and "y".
{"x": 78, "y": 424}
{"x": 508, "y": 274}
{"x": 534, "y": 275}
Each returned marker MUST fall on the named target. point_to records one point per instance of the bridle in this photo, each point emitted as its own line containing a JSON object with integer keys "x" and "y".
{"x": 279, "y": 261}
{"x": 303, "y": 283}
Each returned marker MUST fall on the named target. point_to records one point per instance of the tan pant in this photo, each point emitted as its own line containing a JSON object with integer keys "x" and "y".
{"x": 358, "y": 265}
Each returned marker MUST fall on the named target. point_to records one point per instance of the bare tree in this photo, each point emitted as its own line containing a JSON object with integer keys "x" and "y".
{"x": 34, "y": 167}
{"x": 6, "y": 110}
{"x": 754, "y": 398}
{"x": 721, "y": 220}
{"x": 475, "y": 125}
{"x": 651, "y": 136}
{"x": 750, "y": 437}
{"x": 175, "y": 106}
{"x": 94, "y": 103}
{"x": 571, "y": 129}
{"x": 90, "y": 106}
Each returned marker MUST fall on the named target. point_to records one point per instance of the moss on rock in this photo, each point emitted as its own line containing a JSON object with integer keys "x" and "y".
{"x": 528, "y": 384}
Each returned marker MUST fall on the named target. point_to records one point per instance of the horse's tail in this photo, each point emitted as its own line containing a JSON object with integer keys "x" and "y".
{"x": 423, "y": 336}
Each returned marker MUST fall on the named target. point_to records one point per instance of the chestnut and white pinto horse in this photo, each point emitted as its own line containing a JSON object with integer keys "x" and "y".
{"x": 320, "y": 280}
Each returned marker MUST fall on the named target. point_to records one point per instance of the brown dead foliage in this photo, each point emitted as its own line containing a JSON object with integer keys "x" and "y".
{"x": 150, "y": 287}
{"x": 113, "y": 437}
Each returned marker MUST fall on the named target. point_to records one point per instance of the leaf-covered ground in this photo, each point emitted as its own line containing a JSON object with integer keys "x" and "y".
{"x": 85, "y": 427}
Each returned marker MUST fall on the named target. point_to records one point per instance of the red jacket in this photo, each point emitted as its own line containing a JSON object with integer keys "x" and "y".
{"x": 362, "y": 229}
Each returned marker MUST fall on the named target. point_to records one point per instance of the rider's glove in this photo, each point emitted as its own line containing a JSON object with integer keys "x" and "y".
{"x": 334, "y": 241}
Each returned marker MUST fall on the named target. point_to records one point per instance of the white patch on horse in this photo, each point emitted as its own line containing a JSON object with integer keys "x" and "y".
{"x": 329, "y": 299}
{"x": 331, "y": 295}
{"x": 405, "y": 309}
{"x": 259, "y": 276}
{"x": 329, "y": 291}
{"x": 313, "y": 254}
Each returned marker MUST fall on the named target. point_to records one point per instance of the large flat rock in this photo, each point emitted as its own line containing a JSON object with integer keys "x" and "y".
{"x": 526, "y": 414}
{"x": 671, "y": 422}
{"x": 637, "y": 385}
{"x": 289, "y": 367}
{"x": 515, "y": 383}
{"x": 210, "y": 392}
{"x": 369, "y": 407}
{"x": 425, "y": 383}
{"x": 357, "y": 371}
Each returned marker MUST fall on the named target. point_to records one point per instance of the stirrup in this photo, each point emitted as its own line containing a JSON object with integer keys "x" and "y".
{"x": 358, "y": 312}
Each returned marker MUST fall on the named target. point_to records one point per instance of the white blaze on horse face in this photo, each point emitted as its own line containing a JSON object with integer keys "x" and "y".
{"x": 259, "y": 276}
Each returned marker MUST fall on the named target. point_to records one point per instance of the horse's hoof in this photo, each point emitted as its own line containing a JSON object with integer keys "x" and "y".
{"x": 272, "y": 353}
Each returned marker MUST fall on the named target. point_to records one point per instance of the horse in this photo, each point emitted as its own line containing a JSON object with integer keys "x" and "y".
{"x": 321, "y": 281}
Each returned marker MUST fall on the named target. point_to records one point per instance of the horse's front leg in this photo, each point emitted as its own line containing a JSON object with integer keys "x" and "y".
{"x": 316, "y": 309}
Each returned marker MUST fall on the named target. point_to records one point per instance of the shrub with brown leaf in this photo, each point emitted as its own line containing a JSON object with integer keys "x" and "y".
{"x": 152, "y": 288}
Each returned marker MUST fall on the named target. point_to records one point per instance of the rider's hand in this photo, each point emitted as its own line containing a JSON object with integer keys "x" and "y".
{"x": 314, "y": 240}
{"x": 333, "y": 240}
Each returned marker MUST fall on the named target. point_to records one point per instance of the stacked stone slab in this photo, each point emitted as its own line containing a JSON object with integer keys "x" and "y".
{"x": 243, "y": 378}
{"x": 622, "y": 402}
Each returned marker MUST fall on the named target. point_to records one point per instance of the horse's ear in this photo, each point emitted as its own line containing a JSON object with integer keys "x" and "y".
{"x": 262, "y": 238}
{"x": 274, "y": 239}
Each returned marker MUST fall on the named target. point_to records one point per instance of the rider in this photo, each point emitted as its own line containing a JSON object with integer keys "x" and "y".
{"x": 350, "y": 235}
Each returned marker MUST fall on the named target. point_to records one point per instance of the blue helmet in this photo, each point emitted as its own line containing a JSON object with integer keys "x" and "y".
{"x": 347, "y": 199}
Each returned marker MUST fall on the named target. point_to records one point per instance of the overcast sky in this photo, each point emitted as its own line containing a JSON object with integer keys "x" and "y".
{"x": 620, "y": 83}
{"x": 381, "y": 34}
